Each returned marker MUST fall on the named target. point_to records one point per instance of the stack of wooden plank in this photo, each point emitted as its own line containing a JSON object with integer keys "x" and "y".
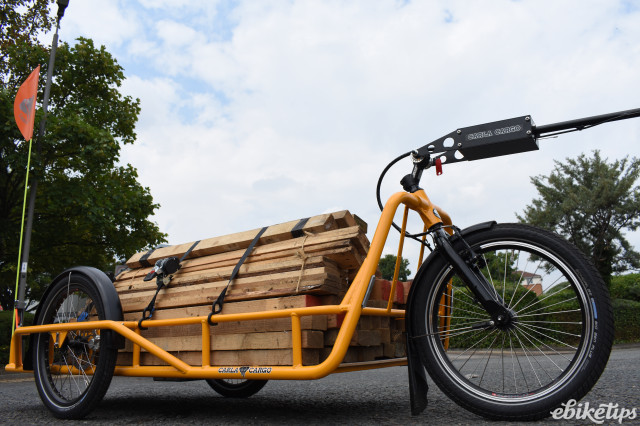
{"x": 376, "y": 337}
{"x": 301, "y": 263}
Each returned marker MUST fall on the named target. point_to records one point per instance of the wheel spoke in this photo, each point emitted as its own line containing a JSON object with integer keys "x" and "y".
{"x": 493, "y": 286}
{"x": 548, "y": 306}
{"x": 550, "y": 337}
{"x": 515, "y": 288}
{"x": 527, "y": 356}
{"x": 489, "y": 356}
{"x": 544, "y": 298}
{"x": 513, "y": 364}
{"x": 549, "y": 313}
{"x": 463, "y": 310}
{"x": 539, "y": 350}
{"x": 526, "y": 292}
{"x": 477, "y": 306}
{"x": 475, "y": 344}
{"x": 551, "y": 329}
{"x": 544, "y": 344}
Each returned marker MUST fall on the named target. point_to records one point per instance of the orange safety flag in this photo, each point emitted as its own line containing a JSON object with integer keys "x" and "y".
{"x": 24, "y": 107}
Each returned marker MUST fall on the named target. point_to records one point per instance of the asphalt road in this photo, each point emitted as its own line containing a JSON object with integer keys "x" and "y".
{"x": 368, "y": 397}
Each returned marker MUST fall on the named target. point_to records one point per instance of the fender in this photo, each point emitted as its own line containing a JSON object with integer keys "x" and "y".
{"x": 108, "y": 294}
{"x": 418, "y": 386}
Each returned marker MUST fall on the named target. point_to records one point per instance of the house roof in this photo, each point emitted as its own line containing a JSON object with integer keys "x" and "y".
{"x": 526, "y": 274}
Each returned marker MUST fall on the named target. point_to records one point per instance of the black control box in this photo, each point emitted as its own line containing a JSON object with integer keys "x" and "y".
{"x": 494, "y": 139}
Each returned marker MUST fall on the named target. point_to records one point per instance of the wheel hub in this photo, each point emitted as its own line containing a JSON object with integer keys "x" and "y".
{"x": 505, "y": 320}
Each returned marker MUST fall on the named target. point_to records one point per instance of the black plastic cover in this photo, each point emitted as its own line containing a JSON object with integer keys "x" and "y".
{"x": 484, "y": 141}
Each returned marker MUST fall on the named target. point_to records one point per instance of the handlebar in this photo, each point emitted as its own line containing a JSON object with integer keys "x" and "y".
{"x": 583, "y": 123}
{"x": 506, "y": 137}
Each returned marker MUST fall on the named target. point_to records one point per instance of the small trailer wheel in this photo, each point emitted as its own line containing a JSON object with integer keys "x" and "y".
{"x": 236, "y": 388}
{"x": 74, "y": 369}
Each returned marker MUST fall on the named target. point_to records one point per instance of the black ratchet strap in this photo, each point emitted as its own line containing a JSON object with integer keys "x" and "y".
{"x": 147, "y": 313}
{"x": 143, "y": 260}
{"x": 184, "y": 256}
{"x": 216, "y": 308}
{"x": 297, "y": 230}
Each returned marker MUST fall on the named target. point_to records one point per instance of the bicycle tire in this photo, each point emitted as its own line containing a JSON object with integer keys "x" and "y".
{"x": 232, "y": 388}
{"x": 575, "y": 334}
{"x": 73, "y": 371}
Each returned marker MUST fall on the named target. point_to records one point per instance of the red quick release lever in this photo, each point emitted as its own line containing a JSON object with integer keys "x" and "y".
{"x": 438, "y": 166}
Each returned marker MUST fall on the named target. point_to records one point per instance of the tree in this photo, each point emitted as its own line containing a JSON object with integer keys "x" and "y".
{"x": 21, "y": 21}
{"x": 387, "y": 266}
{"x": 89, "y": 209}
{"x": 591, "y": 203}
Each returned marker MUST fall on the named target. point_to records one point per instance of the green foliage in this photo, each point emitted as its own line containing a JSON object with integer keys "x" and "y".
{"x": 6, "y": 320}
{"x": 626, "y": 314}
{"x": 591, "y": 202}
{"x": 89, "y": 208}
{"x": 21, "y": 21}
{"x": 387, "y": 266}
{"x": 626, "y": 287}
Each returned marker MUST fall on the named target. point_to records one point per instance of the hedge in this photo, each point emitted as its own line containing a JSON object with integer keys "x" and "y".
{"x": 626, "y": 314}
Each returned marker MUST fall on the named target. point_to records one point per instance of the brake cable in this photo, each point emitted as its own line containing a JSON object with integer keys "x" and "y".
{"x": 395, "y": 225}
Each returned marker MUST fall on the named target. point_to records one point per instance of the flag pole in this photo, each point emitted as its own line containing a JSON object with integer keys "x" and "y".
{"x": 17, "y": 311}
{"x": 24, "y": 252}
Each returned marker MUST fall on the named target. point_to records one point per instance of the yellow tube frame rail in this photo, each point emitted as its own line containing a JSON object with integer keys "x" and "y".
{"x": 350, "y": 306}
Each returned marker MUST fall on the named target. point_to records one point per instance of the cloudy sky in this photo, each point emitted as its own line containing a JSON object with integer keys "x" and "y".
{"x": 261, "y": 112}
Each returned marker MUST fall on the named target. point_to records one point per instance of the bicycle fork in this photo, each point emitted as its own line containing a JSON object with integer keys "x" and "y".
{"x": 467, "y": 266}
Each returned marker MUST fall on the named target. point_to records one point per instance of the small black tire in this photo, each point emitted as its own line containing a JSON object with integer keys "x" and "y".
{"x": 554, "y": 346}
{"x": 73, "y": 374}
{"x": 232, "y": 388}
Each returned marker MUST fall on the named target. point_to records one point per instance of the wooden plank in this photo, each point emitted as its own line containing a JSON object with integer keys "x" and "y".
{"x": 321, "y": 280}
{"x": 256, "y": 357}
{"x": 241, "y": 341}
{"x": 344, "y": 219}
{"x": 382, "y": 291}
{"x": 259, "y": 305}
{"x": 385, "y": 335}
{"x": 360, "y": 337}
{"x": 315, "y": 322}
{"x": 313, "y": 245}
{"x": 237, "y": 241}
{"x": 357, "y": 353}
{"x": 254, "y": 269}
{"x": 222, "y": 275}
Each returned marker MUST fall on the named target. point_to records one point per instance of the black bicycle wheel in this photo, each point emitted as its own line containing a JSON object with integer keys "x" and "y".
{"x": 236, "y": 388}
{"x": 553, "y": 348}
{"x": 73, "y": 371}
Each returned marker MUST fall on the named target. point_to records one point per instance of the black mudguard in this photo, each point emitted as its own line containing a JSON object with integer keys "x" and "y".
{"x": 108, "y": 294}
{"x": 418, "y": 386}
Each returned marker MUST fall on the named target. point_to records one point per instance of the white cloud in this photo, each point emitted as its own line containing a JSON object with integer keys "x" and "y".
{"x": 270, "y": 111}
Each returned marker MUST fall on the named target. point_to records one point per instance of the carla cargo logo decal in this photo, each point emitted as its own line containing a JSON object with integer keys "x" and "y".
{"x": 488, "y": 133}
{"x": 243, "y": 370}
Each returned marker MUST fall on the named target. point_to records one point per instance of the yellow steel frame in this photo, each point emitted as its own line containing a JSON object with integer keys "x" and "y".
{"x": 351, "y": 307}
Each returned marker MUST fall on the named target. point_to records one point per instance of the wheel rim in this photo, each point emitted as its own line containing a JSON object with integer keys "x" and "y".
{"x": 69, "y": 361}
{"x": 532, "y": 356}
